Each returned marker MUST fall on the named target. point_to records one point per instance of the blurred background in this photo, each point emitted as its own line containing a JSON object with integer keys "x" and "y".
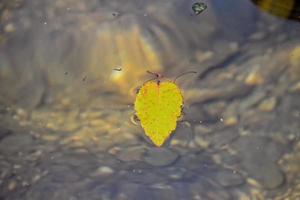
{"x": 69, "y": 71}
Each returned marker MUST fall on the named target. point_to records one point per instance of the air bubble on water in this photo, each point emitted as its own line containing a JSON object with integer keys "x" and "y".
{"x": 118, "y": 69}
{"x": 115, "y": 14}
{"x": 139, "y": 171}
{"x": 25, "y": 184}
{"x": 134, "y": 120}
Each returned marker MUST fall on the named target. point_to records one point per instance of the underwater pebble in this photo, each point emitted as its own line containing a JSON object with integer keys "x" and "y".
{"x": 217, "y": 159}
{"x": 35, "y": 178}
{"x": 160, "y": 156}
{"x": 66, "y": 102}
{"x": 201, "y": 142}
{"x": 252, "y": 100}
{"x": 228, "y": 178}
{"x": 295, "y": 56}
{"x": 12, "y": 185}
{"x": 22, "y": 113}
{"x": 257, "y": 36}
{"x": 182, "y": 135}
{"x": 253, "y": 182}
{"x": 132, "y": 153}
{"x": 9, "y": 28}
{"x": 230, "y": 121}
{"x": 115, "y": 150}
{"x": 177, "y": 174}
{"x": 17, "y": 166}
{"x": 156, "y": 191}
{"x": 259, "y": 156}
{"x": 93, "y": 114}
{"x": 103, "y": 171}
{"x": 234, "y": 46}
{"x": 204, "y": 56}
{"x": 223, "y": 137}
{"x": 96, "y": 122}
{"x": 25, "y": 184}
{"x": 63, "y": 173}
{"x": 254, "y": 78}
{"x": 201, "y": 129}
{"x": 290, "y": 163}
{"x": 49, "y": 138}
{"x": 4, "y": 133}
{"x": 2, "y": 39}
{"x": 268, "y": 105}
{"x": 203, "y": 190}
{"x": 175, "y": 142}
{"x": 17, "y": 143}
{"x": 295, "y": 87}
{"x": 294, "y": 68}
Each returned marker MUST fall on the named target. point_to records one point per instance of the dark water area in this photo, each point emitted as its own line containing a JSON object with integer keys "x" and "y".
{"x": 69, "y": 71}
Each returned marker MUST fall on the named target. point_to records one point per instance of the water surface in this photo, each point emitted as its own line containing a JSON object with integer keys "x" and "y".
{"x": 66, "y": 115}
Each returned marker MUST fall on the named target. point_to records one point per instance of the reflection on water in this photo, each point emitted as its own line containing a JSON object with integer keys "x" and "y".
{"x": 68, "y": 75}
{"x": 286, "y": 9}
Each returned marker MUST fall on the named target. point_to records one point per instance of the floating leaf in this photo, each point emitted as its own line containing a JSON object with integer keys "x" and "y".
{"x": 158, "y": 106}
{"x": 199, "y": 7}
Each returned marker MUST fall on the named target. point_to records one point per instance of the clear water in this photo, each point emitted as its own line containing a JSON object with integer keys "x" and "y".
{"x": 69, "y": 71}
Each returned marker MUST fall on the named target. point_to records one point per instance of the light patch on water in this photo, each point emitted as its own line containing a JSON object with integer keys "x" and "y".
{"x": 126, "y": 48}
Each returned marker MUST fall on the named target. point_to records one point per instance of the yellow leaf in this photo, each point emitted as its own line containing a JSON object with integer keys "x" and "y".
{"x": 158, "y": 106}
